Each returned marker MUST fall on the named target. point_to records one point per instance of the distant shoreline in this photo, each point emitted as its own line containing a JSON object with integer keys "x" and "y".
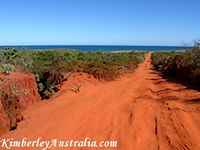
{"x": 98, "y": 47}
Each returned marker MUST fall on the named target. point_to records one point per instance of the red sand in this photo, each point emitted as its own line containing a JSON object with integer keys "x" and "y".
{"x": 141, "y": 111}
{"x": 17, "y": 91}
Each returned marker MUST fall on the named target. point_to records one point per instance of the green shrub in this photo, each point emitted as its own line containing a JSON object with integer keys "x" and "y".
{"x": 49, "y": 66}
{"x": 8, "y": 68}
{"x": 19, "y": 58}
{"x": 185, "y": 65}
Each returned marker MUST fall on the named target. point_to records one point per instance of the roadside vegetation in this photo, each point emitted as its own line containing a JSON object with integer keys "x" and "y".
{"x": 50, "y": 66}
{"x": 182, "y": 65}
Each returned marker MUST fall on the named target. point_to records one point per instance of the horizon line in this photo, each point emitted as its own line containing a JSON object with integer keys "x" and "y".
{"x": 92, "y": 45}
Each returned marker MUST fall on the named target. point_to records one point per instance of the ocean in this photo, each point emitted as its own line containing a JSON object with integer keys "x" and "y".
{"x": 98, "y": 47}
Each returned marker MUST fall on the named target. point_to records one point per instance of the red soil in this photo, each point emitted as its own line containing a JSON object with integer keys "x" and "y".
{"x": 141, "y": 111}
{"x": 18, "y": 90}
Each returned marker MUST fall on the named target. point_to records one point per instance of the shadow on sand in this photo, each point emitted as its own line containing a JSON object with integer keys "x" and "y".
{"x": 189, "y": 84}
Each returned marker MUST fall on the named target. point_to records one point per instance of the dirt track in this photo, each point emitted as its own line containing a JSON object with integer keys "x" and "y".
{"x": 141, "y": 111}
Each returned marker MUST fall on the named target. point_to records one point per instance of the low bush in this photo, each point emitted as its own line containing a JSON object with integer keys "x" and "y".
{"x": 185, "y": 65}
{"x": 7, "y": 68}
{"x": 49, "y": 66}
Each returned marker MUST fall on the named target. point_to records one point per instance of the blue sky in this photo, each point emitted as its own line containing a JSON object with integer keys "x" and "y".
{"x": 99, "y": 22}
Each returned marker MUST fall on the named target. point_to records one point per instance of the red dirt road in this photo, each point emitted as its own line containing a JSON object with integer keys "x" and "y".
{"x": 141, "y": 111}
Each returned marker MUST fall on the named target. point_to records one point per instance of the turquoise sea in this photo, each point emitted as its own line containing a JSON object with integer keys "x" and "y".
{"x": 98, "y": 47}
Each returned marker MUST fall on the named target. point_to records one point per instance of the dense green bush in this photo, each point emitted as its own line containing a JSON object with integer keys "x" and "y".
{"x": 20, "y": 59}
{"x": 7, "y": 68}
{"x": 185, "y": 65}
{"x": 49, "y": 66}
